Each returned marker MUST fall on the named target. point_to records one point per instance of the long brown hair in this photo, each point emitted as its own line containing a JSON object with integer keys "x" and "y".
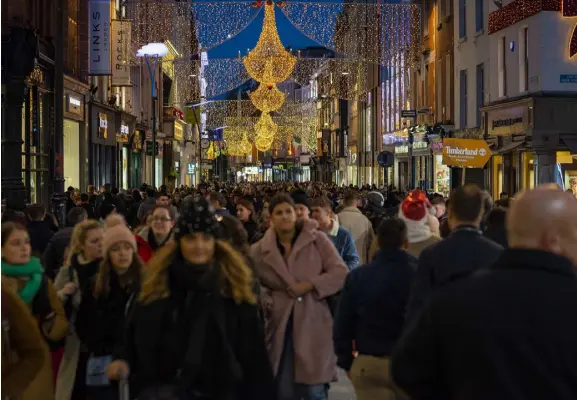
{"x": 130, "y": 279}
{"x": 237, "y": 277}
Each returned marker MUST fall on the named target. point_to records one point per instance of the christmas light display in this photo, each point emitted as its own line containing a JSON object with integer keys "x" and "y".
{"x": 517, "y": 11}
{"x": 267, "y": 98}
{"x": 192, "y": 26}
{"x": 269, "y": 62}
{"x": 371, "y": 32}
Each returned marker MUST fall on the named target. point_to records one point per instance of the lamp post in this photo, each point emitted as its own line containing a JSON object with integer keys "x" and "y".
{"x": 154, "y": 52}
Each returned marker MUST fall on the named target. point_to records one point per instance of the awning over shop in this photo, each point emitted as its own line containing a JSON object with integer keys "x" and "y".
{"x": 571, "y": 142}
{"x": 510, "y": 147}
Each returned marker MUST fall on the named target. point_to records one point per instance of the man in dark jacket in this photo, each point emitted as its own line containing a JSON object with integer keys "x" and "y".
{"x": 371, "y": 312}
{"x": 508, "y": 333}
{"x": 53, "y": 257}
{"x": 39, "y": 231}
{"x": 459, "y": 255}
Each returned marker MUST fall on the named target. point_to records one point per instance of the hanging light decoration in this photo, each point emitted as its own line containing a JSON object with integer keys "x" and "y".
{"x": 263, "y": 143}
{"x": 267, "y": 98}
{"x": 245, "y": 146}
{"x": 265, "y": 127}
{"x": 269, "y": 62}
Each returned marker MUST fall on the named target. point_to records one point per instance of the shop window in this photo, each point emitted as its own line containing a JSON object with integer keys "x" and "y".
{"x": 71, "y": 154}
{"x": 497, "y": 176}
{"x": 528, "y": 170}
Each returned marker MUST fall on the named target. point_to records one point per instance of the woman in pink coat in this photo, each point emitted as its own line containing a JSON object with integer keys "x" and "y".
{"x": 298, "y": 267}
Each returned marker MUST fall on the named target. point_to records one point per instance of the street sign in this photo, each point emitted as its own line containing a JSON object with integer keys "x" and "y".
{"x": 408, "y": 113}
{"x": 465, "y": 153}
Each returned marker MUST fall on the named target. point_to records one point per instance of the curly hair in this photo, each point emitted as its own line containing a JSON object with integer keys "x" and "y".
{"x": 236, "y": 276}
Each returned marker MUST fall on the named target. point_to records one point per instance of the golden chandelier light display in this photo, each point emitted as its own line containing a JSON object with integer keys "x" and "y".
{"x": 267, "y": 98}
{"x": 269, "y": 62}
{"x": 265, "y": 131}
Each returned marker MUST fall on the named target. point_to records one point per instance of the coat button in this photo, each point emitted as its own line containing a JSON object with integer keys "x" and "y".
{"x": 299, "y": 299}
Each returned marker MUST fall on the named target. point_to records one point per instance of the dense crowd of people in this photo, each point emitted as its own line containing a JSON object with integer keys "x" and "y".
{"x": 258, "y": 291}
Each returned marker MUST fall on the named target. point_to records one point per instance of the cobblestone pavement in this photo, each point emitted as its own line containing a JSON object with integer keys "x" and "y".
{"x": 342, "y": 390}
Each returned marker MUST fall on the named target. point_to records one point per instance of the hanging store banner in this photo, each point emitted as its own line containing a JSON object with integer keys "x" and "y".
{"x": 121, "y": 52}
{"x": 99, "y": 34}
{"x": 465, "y": 153}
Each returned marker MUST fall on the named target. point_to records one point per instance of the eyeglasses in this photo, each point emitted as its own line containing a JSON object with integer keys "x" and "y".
{"x": 161, "y": 219}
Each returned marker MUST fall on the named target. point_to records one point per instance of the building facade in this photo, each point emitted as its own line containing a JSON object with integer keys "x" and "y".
{"x": 529, "y": 116}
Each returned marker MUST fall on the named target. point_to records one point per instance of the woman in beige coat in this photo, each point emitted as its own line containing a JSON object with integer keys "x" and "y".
{"x": 84, "y": 256}
{"x": 298, "y": 267}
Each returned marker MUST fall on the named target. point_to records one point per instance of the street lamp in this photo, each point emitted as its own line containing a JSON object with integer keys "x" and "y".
{"x": 154, "y": 51}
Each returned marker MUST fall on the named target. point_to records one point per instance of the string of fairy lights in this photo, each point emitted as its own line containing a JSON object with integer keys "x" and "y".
{"x": 362, "y": 37}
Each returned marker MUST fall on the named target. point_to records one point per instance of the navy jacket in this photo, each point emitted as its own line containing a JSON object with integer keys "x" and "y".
{"x": 462, "y": 253}
{"x": 506, "y": 334}
{"x": 345, "y": 245}
{"x": 372, "y": 306}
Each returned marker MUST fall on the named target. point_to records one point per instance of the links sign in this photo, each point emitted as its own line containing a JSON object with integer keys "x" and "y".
{"x": 465, "y": 153}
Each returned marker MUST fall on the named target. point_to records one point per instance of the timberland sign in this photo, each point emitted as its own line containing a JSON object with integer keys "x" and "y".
{"x": 465, "y": 153}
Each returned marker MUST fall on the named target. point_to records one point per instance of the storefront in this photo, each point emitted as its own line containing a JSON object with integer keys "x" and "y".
{"x": 402, "y": 167}
{"x": 74, "y": 142}
{"x": 352, "y": 166}
{"x": 136, "y": 146}
{"x": 267, "y": 169}
{"x": 441, "y": 172}
{"x": 423, "y": 165}
{"x": 190, "y": 178}
{"x": 305, "y": 175}
{"x": 103, "y": 146}
{"x": 124, "y": 137}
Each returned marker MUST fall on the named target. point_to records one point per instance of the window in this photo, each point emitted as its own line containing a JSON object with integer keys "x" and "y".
{"x": 427, "y": 9}
{"x": 463, "y": 98}
{"x": 462, "y": 19}
{"x": 480, "y": 91}
{"x": 479, "y": 17}
{"x": 524, "y": 60}
{"x": 502, "y": 68}
{"x": 72, "y": 38}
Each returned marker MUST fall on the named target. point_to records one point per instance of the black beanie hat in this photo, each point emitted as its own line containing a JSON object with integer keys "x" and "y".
{"x": 196, "y": 216}
{"x": 299, "y": 196}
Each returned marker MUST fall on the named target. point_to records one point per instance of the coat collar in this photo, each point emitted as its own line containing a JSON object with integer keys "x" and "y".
{"x": 533, "y": 259}
{"x": 351, "y": 209}
{"x": 386, "y": 255}
{"x": 273, "y": 257}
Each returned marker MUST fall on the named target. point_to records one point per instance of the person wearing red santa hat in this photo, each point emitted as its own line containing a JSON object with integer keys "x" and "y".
{"x": 421, "y": 230}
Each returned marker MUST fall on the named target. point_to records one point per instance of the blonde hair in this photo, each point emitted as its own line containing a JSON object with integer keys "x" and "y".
{"x": 79, "y": 237}
{"x": 236, "y": 275}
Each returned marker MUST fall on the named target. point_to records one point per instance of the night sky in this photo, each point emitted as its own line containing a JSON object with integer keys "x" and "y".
{"x": 289, "y": 35}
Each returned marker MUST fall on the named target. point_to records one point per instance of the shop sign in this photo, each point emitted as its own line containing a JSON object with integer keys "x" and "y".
{"x": 73, "y": 105}
{"x": 508, "y": 121}
{"x": 402, "y": 150}
{"x": 466, "y": 153}
{"x": 437, "y": 147}
{"x": 567, "y": 78}
{"x": 99, "y": 37}
{"x": 279, "y": 167}
{"x": 178, "y": 131}
{"x": 121, "y": 32}
{"x": 352, "y": 158}
{"x": 191, "y": 168}
{"x": 251, "y": 170}
{"x": 137, "y": 141}
{"x": 420, "y": 145}
{"x": 122, "y": 136}
{"x": 102, "y": 125}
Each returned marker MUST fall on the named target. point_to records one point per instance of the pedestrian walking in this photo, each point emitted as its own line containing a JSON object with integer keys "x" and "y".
{"x": 153, "y": 237}
{"x": 371, "y": 313}
{"x": 23, "y": 274}
{"x": 508, "y": 333}
{"x": 422, "y": 226}
{"x": 353, "y": 220}
{"x": 194, "y": 331}
{"x": 458, "y": 256}
{"x": 299, "y": 269}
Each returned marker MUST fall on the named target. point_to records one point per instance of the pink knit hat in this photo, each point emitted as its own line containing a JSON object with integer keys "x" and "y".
{"x": 116, "y": 231}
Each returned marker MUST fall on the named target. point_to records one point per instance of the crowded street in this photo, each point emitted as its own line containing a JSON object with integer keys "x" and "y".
{"x": 289, "y": 200}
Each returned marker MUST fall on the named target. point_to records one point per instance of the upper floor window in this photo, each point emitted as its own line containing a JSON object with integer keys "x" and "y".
{"x": 462, "y": 19}
{"x": 479, "y": 15}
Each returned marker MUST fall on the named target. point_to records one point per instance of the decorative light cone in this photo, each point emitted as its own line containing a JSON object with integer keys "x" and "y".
{"x": 269, "y": 62}
{"x": 263, "y": 143}
{"x": 267, "y": 98}
{"x": 245, "y": 146}
{"x": 265, "y": 127}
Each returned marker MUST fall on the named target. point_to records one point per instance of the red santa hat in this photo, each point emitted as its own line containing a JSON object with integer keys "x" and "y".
{"x": 414, "y": 212}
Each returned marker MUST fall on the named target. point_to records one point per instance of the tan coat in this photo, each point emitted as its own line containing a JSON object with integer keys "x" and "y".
{"x": 24, "y": 352}
{"x": 315, "y": 259}
{"x": 361, "y": 228}
{"x": 42, "y": 387}
{"x": 415, "y": 249}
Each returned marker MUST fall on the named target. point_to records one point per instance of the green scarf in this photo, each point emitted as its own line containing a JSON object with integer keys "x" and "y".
{"x": 33, "y": 270}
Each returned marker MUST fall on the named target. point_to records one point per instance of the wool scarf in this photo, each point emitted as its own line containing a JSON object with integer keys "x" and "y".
{"x": 33, "y": 270}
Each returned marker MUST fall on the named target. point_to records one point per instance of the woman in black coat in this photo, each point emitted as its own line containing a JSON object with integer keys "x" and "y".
{"x": 194, "y": 332}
